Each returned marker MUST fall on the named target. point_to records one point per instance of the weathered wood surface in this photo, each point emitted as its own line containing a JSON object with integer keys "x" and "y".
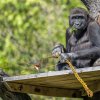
{"x": 56, "y": 83}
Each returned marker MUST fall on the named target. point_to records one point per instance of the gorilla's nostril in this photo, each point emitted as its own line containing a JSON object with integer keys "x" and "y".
{"x": 77, "y": 23}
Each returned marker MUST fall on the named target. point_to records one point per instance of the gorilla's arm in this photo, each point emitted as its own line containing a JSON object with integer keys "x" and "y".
{"x": 94, "y": 37}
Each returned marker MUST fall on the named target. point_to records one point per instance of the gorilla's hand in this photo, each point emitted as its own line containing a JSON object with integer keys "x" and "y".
{"x": 57, "y": 50}
{"x": 65, "y": 56}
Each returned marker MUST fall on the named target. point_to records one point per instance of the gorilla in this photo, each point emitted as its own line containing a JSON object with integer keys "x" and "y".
{"x": 82, "y": 41}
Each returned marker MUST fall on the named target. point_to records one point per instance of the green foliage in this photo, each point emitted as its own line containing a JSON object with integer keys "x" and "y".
{"x": 28, "y": 31}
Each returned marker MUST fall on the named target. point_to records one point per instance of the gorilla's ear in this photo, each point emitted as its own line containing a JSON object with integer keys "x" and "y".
{"x": 70, "y": 22}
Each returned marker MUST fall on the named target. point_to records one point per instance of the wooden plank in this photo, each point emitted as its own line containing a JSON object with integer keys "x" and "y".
{"x": 57, "y": 79}
{"x": 48, "y": 91}
{"x": 65, "y": 80}
{"x": 54, "y": 75}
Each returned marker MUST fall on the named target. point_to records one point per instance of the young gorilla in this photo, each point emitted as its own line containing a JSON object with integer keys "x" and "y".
{"x": 82, "y": 41}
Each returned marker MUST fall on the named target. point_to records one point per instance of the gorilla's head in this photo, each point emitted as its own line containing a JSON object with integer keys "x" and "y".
{"x": 78, "y": 18}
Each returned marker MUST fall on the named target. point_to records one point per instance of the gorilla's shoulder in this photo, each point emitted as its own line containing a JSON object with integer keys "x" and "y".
{"x": 93, "y": 25}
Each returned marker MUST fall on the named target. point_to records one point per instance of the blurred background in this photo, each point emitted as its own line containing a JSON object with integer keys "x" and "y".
{"x": 29, "y": 29}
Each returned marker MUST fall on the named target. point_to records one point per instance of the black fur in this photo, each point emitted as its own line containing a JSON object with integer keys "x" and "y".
{"x": 83, "y": 40}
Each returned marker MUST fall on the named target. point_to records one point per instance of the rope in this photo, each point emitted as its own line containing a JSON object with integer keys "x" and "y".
{"x": 88, "y": 91}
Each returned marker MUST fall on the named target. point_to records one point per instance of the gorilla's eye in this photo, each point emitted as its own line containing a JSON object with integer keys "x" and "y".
{"x": 81, "y": 17}
{"x": 78, "y": 17}
{"x": 74, "y": 17}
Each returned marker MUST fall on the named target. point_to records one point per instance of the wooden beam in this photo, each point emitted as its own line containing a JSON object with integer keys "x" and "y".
{"x": 55, "y": 83}
{"x": 88, "y": 71}
{"x": 42, "y": 90}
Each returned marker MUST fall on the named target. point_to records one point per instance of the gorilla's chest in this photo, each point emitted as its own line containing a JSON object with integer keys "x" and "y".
{"x": 81, "y": 44}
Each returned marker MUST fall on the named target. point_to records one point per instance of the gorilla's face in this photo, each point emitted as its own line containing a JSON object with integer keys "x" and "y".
{"x": 78, "y": 21}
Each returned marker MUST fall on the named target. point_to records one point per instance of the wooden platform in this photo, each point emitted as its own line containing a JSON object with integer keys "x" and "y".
{"x": 56, "y": 83}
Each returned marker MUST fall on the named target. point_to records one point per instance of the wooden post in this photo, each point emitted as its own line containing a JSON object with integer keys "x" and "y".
{"x": 95, "y": 97}
{"x": 5, "y": 94}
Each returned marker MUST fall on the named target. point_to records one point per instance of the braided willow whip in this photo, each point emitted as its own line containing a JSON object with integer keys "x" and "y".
{"x": 89, "y": 92}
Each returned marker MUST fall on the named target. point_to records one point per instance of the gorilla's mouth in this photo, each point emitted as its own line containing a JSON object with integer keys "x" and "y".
{"x": 78, "y": 25}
